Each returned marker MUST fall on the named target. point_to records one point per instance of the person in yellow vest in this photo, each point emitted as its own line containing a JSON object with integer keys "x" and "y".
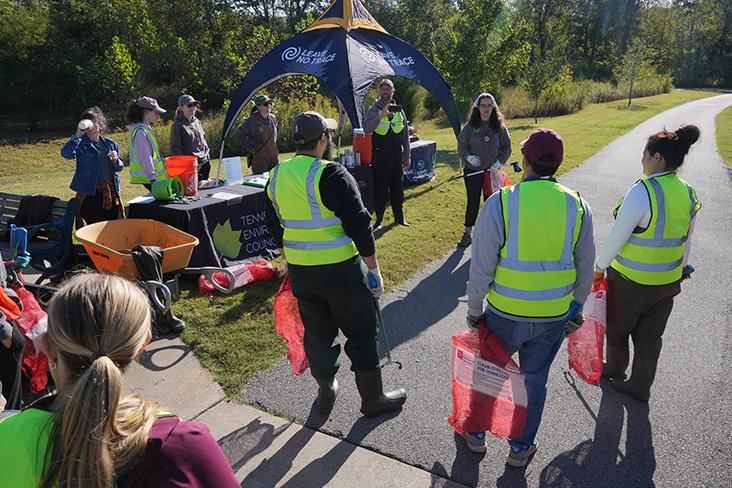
{"x": 146, "y": 161}
{"x": 533, "y": 253}
{"x": 645, "y": 256}
{"x": 317, "y": 218}
{"x": 390, "y": 152}
{"x": 87, "y": 434}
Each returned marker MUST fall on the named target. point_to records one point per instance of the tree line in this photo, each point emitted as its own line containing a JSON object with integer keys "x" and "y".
{"x": 58, "y": 56}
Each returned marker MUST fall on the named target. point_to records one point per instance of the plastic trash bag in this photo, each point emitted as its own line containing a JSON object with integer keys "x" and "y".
{"x": 288, "y": 325}
{"x": 585, "y": 345}
{"x": 244, "y": 274}
{"x": 488, "y": 389}
{"x": 33, "y": 324}
{"x": 494, "y": 181}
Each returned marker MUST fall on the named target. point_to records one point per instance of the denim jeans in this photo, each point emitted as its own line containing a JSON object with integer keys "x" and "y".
{"x": 537, "y": 344}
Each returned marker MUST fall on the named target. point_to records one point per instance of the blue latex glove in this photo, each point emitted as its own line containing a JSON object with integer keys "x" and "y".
{"x": 576, "y": 319}
{"x": 376, "y": 283}
{"x": 686, "y": 272}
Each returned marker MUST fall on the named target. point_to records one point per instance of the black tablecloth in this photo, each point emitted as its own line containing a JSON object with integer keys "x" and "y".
{"x": 227, "y": 230}
{"x": 424, "y": 157}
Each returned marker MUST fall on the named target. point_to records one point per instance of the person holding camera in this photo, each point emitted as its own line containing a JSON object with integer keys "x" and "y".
{"x": 187, "y": 136}
{"x": 390, "y": 152}
{"x": 146, "y": 161}
{"x": 258, "y": 134}
{"x": 95, "y": 179}
{"x": 483, "y": 144}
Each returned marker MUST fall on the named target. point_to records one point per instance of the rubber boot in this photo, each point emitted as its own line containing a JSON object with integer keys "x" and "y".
{"x": 172, "y": 324}
{"x": 373, "y": 399}
{"x": 327, "y": 392}
{"x": 641, "y": 379}
{"x": 617, "y": 362}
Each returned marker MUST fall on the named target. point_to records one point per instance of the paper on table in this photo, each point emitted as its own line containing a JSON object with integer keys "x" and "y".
{"x": 222, "y": 195}
{"x": 234, "y": 173}
{"x": 142, "y": 199}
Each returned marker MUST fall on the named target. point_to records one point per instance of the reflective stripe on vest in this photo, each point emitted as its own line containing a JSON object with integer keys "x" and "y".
{"x": 535, "y": 274}
{"x": 137, "y": 174}
{"x": 396, "y": 123}
{"x": 313, "y": 234}
{"x": 655, "y": 256}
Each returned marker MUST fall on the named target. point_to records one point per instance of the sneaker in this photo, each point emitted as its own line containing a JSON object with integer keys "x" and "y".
{"x": 520, "y": 458}
{"x": 465, "y": 241}
{"x": 475, "y": 441}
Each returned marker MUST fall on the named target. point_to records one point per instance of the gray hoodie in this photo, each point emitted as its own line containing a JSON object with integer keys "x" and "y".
{"x": 484, "y": 142}
{"x": 188, "y": 138}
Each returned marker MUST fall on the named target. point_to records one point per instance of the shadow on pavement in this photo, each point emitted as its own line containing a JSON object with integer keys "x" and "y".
{"x": 599, "y": 459}
{"x": 243, "y": 444}
{"x": 147, "y": 359}
{"x": 465, "y": 466}
{"x": 435, "y": 297}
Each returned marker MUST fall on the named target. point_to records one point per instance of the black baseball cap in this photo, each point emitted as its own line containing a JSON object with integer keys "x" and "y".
{"x": 308, "y": 126}
{"x": 262, "y": 100}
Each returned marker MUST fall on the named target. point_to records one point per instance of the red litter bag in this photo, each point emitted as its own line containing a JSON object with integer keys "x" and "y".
{"x": 33, "y": 324}
{"x": 488, "y": 389}
{"x": 585, "y": 345}
{"x": 244, "y": 274}
{"x": 494, "y": 181}
{"x": 288, "y": 325}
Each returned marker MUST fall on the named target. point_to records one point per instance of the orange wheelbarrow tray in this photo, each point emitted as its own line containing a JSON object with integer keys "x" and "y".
{"x": 110, "y": 244}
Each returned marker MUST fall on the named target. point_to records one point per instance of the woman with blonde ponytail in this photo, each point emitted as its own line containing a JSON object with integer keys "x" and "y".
{"x": 87, "y": 436}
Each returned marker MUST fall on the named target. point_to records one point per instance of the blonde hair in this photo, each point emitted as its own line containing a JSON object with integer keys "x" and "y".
{"x": 98, "y": 323}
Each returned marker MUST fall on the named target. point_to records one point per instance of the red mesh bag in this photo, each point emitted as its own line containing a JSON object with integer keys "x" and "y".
{"x": 33, "y": 323}
{"x": 288, "y": 325}
{"x": 488, "y": 389}
{"x": 585, "y": 345}
{"x": 244, "y": 274}
{"x": 494, "y": 181}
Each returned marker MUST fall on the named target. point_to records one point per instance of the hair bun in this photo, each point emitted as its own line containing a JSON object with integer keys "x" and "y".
{"x": 688, "y": 134}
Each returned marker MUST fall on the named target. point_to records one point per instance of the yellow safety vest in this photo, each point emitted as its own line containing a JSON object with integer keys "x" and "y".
{"x": 535, "y": 275}
{"x": 655, "y": 256}
{"x": 313, "y": 234}
{"x": 396, "y": 123}
{"x": 137, "y": 175}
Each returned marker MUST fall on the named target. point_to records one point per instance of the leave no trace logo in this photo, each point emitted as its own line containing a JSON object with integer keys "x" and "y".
{"x": 297, "y": 54}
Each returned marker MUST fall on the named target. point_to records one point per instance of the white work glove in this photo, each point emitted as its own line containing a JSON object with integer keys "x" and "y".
{"x": 376, "y": 283}
{"x": 473, "y": 318}
{"x": 496, "y": 166}
{"x": 473, "y": 160}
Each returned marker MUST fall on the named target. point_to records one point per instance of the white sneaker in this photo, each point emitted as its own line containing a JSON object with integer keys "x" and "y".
{"x": 475, "y": 441}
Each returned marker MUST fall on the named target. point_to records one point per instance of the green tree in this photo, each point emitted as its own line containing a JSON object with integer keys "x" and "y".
{"x": 635, "y": 65}
{"x": 117, "y": 80}
{"x": 538, "y": 76}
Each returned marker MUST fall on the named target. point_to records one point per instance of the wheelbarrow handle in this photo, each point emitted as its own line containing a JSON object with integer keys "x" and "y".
{"x": 208, "y": 272}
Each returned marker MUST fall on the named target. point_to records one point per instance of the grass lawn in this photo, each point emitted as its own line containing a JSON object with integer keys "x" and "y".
{"x": 233, "y": 335}
{"x": 724, "y": 135}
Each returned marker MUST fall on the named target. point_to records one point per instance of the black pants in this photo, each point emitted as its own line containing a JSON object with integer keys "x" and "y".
{"x": 332, "y": 297}
{"x": 639, "y": 312}
{"x": 473, "y": 191}
{"x": 92, "y": 210}
{"x": 387, "y": 162}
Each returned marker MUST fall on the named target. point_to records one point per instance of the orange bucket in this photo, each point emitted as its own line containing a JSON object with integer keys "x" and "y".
{"x": 362, "y": 145}
{"x": 110, "y": 243}
{"x": 185, "y": 168}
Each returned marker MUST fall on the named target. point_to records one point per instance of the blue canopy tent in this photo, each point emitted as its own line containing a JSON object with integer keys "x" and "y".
{"x": 347, "y": 50}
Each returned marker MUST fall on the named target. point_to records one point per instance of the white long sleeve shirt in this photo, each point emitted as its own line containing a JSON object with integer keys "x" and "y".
{"x": 634, "y": 212}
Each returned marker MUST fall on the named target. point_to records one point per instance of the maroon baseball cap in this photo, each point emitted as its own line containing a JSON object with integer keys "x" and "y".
{"x": 544, "y": 147}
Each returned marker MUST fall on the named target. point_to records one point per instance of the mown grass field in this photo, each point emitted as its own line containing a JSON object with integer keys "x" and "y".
{"x": 724, "y": 135}
{"x": 233, "y": 335}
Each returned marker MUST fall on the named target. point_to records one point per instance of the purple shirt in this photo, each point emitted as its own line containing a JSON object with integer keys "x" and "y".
{"x": 181, "y": 454}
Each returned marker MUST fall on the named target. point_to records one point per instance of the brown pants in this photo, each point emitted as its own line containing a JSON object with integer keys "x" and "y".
{"x": 638, "y": 311}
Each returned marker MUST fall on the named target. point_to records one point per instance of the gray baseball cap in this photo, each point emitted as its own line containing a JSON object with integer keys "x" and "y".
{"x": 386, "y": 81}
{"x": 186, "y": 99}
{"x": 262, "y": 100}
{"x": 308, "y": 126}
{"x": 150, "y": 104}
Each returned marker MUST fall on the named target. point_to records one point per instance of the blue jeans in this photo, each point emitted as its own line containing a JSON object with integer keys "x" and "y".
{"x": 537, "y": 344}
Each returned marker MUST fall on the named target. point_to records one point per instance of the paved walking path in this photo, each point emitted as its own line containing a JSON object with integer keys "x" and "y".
{"x": 590, "y": 436}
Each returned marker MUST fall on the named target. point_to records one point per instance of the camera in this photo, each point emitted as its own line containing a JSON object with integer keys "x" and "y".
{"x": 394, "y": 108}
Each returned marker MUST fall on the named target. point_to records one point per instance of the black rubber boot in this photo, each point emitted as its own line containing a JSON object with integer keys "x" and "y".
{"x": 617, "y": 362}
{"x": 641, "y": 379}
{"x": 373, "y": 399}
{"x": 327, "y": 392}
{"x": 466, "y": 240}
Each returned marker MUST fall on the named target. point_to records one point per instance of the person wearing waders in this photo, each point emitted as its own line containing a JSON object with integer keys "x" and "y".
{"x": 317, "y": 218}
{"x": 390, "y": 152}
{"x": 645, "y": 256}
{"x": 532, "y": 255}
